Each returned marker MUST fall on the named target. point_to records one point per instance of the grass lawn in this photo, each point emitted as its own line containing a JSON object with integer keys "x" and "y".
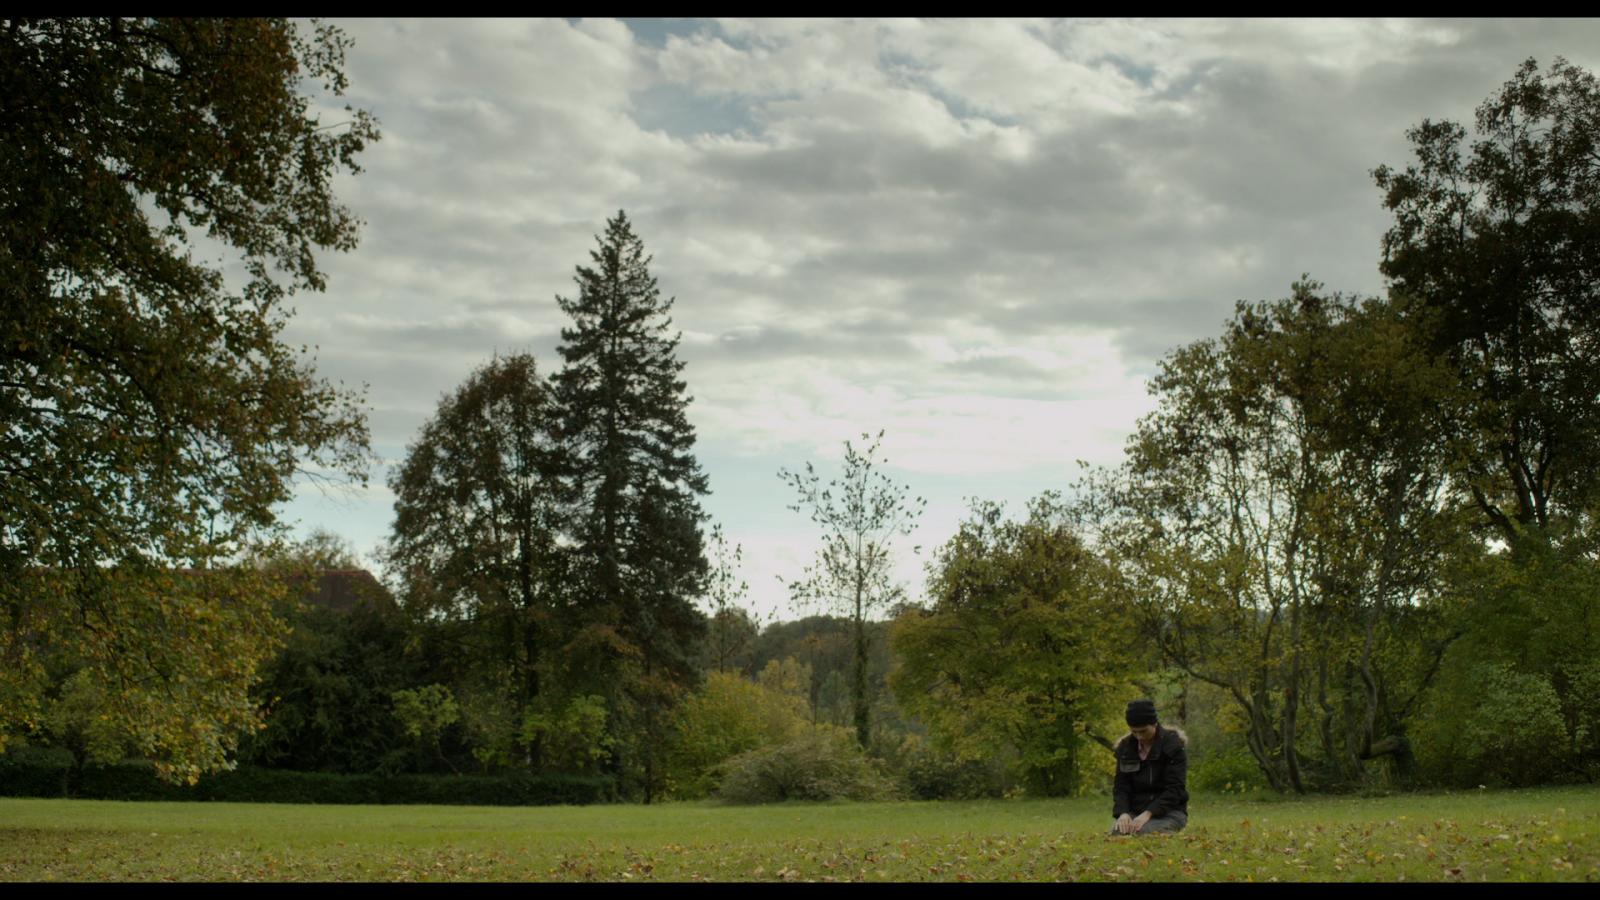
{"x": 1533, "y": 835}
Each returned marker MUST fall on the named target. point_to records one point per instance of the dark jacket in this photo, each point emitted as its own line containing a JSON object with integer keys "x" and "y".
{"x": 1158, "y": 784}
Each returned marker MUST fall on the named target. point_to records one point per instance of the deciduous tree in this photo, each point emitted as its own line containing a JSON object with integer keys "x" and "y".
{"x": 1022, "y": 646}
{"x": 327, "y": 693}
{"x": 1496, "y": 239}
{"x": 480, "y": 506}
{"x": 861, "y": 513}
{"x": 150, "y": 416}
{"x": 731, "y": 630}
{"x": 727, "y": 716}
{"x": 1283, "y": 524}
{"x": 1500, "y": 239}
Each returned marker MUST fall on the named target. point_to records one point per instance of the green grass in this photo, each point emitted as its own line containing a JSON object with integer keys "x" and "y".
{"x": 1533, "y": 835}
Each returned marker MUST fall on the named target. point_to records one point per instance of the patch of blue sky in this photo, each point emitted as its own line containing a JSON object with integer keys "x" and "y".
{"x": 654, "y": 31}
{"x": 676, "y": 110}
{"x": 362, "y": 518}
{"x": 1140, "y": 74}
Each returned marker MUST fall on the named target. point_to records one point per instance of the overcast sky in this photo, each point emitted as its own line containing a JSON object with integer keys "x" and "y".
{"x": 980, "y": 236}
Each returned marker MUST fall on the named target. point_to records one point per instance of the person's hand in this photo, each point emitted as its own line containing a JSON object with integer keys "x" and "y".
{"x": 1139, "y": 822}
{"x": 1125, "y": 824}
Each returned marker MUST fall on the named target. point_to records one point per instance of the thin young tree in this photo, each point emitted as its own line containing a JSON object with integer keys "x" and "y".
{"x": 732, "y": 628}
{"x": 861, "y": 513}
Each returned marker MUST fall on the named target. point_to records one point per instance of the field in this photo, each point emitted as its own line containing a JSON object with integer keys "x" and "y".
{"x": 1533, "y": 835}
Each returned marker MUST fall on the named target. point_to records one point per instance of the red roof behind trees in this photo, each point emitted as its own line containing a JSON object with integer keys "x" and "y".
{"x": 342, "y": 590}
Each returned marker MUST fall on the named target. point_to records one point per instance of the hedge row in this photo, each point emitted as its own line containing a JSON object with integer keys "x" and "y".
{"x": 137, "y": 781}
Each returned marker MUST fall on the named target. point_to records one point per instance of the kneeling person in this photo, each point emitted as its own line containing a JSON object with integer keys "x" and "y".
{"x": 1150, "y": 794}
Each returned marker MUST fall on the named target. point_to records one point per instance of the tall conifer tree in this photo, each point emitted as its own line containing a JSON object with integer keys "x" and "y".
{"x": 637, "y": 521}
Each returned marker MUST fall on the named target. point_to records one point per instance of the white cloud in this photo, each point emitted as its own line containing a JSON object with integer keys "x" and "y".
{"x": 1014, "y": 69}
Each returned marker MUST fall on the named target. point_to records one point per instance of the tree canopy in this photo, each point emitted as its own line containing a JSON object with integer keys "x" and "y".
{"x": 1280, "y": 517}
{"x": 151, "y": 415}
{"x": 1500, "y": 239}
{"x": 479, "y": 506}
{"x": 1023, "y": 647}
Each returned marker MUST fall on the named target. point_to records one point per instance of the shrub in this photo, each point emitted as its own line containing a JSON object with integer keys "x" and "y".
{"x": 1233, "y": 771}
{"x": 1581, "y": 706}
{"x": 823, "y": 763}
{"x": 34, "y": 776}
{"x": 33, "y": 771}
{"x": 728, "y": 716}
{"x": 1511, "y": 730}
{"x": 572, "y": 737}
{"x": 927, "y": 774}
{"x": 1495, "y": 726}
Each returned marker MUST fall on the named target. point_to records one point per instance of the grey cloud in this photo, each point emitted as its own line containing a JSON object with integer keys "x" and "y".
{"x": 1266, "y": 176}
{"x": 1003, "y": 368}
{"x": 1071, "y": 220}
{"x": 655, "y": 30}
{"x": 1072, "y": 170}
{"x": 407, "y": 367}
{"x": 805, "y": 169}
{"x": 393, "y": 428}
{"x": 879, "y": 338}
{"x": 444, "y": 338}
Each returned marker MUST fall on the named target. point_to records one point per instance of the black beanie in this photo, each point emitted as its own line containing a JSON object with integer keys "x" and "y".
{"x": 1141, "y": 712}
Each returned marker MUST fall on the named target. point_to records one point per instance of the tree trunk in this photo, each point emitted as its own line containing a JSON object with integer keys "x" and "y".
{"x": 858, "y": 690}
{"x": 1291, "y": 701}
{"x": 649, "y": 736}
{"x": 72, "y": 781}
{"x": 1258, "y": 736}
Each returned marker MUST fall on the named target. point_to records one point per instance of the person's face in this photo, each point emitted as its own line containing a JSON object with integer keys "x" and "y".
{"x": 1145, "y": 733}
